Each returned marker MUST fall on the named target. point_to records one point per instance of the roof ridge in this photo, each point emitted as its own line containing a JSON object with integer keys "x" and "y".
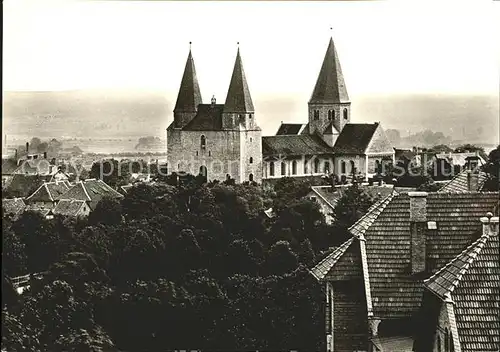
{"x": 338, "y": 252}
{"x": 473, "y": 250}
{"x": 379, "y": 205}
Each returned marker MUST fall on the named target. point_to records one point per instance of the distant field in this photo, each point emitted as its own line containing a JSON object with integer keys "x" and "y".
{"x": 114, "y": 121}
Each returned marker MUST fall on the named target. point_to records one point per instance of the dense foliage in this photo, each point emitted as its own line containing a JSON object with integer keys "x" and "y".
{"x": 187, "y": 266}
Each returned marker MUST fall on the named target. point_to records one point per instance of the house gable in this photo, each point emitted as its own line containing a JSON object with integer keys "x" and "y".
{"x": 379, "y": 143}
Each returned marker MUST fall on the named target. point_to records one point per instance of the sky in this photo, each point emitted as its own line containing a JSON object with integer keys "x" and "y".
{"x": 385, "y": 47}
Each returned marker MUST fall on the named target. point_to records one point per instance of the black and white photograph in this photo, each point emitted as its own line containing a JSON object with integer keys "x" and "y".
{"x": 285, "y": 176}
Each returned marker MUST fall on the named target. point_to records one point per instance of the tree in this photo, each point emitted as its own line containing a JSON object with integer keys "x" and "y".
{"x": 107, "y": 211}
{"x": 492, "y": 169}
{"x": 352, "y": 205}
{"x": 281, "y": 258}
{"x": 113, "y": 172}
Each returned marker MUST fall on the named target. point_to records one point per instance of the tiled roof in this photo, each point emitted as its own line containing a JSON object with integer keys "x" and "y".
{"x": 290, "y": 128}
{"x": 48, "y": 192}
{"x": 41, "y": 210}
{"x": 472, "y": 281}
{"x": 330, "y": 86}
{"x": 460, "y": 184}
{"x": 208, "y": 118}
{"x": 355, "y": 138}
{"x": 14, "y": 206}
{"x": 294, "y": 145}
{"x": 68, "y": 207}
{"x": 189, "y": 92}
{"x": 323, "y": 267}
{"x": 238, "y": 97}
{"x": 91, "y": 191}
{"x": 395, "y": 292}
{"x": 404, "y": 153}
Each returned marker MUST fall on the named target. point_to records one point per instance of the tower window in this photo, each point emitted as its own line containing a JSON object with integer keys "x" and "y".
{"x": 283, "y": 168}
{"x": 203, "y": 142}
{"x": 250, "y": 177}
{"x": 196, "y": 153}
{"x": 330, "y": 115}
{"x": 251, "y": 139}
{"x": 316, "y": 114}
{"x": 209, "y": 153}
{"x": 251, "y": 160}
{"x": 294, "y": 167}
{"x": 271, "y": 168}
{"x": 342, "y": 167}
{"x": 346, "y": 116}
{"x": 326, "y": 167}
{"x": 250, "y": 115}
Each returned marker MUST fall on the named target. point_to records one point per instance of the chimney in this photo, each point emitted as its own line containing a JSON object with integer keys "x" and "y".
{"x": 490, "y": 225}
{"x": 27, "y": 147}
{"x": 472, "y": 181}
{"x": 418, "y": 225}
{"x": 213, "y": 100}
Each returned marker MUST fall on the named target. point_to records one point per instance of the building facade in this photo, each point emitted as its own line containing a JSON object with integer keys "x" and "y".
{"x": 218, "y": 141}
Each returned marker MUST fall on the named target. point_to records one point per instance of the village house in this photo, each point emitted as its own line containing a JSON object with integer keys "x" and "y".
{"x": 90, "y": 191}
{"x": 375, "y": 281}
{"x": 72, "y": 208}
{"x": 47, "y": 195}
{"x": 460, "y": 306}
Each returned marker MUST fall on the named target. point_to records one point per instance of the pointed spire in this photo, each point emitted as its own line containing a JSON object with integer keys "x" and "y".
{"x": 330, "y": 86}
{"x": 238, "y": 97}
{"x": 189, "y": 92}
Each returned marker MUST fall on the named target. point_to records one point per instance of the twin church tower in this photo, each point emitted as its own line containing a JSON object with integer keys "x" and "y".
{"x": 223, "y": 141}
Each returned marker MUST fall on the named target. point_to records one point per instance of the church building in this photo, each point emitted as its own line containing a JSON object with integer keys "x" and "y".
{"x": 329, "y": 143}
{"x": 224, "y": 141}
{"x": 219, "y": 141}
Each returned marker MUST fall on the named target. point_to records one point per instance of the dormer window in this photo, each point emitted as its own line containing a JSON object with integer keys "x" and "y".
{"x": 203, "y": 142}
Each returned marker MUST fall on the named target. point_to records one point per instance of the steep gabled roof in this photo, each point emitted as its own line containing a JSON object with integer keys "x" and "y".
{"x": 48, "y": 192}
{"x": 472, "y": 281}
{"x": 91, "y": 191}
{"x": 459, "y": 183}
{"x": 294, "y": 145}
{"x": 189, "y": 96}
{"x": 330, "y": 86}
{"x": 330, "y": 129}
{"x": 355, "y": 138}
{"x": 208, "y": 118}
{"x": 321, "y": 269}
{"x": 394, "y": 291}
{"x": 290, "y": 129}
{"x": 68, "y": 207}
{"x": 238, "y": 97}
